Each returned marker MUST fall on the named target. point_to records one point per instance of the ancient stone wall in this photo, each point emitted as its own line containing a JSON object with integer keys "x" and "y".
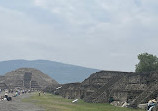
{"x": 134, "y": 88}
{"x": 71, "y": 91}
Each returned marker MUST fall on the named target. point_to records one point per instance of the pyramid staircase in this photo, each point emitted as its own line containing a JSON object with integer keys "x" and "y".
{"x": 101, "y": 95}
{"x": 150, "y": 93}
{"x": 27, "y": 79}
{"x": 34, "y": 85}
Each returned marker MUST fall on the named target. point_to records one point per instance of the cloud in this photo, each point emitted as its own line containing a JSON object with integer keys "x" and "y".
{"x": 105, "y": 34}
{"x": 113, "y": 26}
{"x": 88, "y": 16}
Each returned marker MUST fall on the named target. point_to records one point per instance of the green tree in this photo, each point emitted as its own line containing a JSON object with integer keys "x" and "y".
{"x": 147, "y": 63}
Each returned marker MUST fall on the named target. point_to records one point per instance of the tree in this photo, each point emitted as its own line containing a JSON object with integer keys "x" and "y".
{"x": 147, "y": 63}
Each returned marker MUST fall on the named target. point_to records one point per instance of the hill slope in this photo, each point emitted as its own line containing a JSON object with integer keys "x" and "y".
{"x": 62, "y": 73}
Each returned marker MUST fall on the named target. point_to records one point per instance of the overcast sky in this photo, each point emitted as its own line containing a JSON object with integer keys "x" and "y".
{"x": 102, "y": 34}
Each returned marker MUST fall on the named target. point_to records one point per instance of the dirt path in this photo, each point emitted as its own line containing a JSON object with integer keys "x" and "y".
{"x": 17, "y": 105}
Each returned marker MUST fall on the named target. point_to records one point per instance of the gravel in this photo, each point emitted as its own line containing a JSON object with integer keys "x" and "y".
{"x": 17, "y": 105}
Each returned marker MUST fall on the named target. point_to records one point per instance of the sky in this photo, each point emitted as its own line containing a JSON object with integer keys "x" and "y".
{"x": 101, "y": 34}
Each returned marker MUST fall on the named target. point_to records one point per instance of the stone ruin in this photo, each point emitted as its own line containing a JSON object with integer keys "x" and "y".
{"x": 26, "y": 78}
{"x": 101, "y": 87}
{"x": 2, "y": 84}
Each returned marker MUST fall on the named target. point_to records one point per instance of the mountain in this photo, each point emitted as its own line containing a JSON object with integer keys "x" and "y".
{"x": 62, "y": 73}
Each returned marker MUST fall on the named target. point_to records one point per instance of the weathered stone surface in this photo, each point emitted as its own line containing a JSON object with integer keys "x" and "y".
{"x": 27, "y": 78}
{"x": 134, "y": 88}
{"x": 71, "y": 90}
{"x": 142, "y": 106}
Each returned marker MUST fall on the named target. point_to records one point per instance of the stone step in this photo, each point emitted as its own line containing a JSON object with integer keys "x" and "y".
{"x": 98, "y": 94}
{"x": 145, "y": 96}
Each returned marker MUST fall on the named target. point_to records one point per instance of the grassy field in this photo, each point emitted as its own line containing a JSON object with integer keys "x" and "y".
{"x": 57, "y": 103}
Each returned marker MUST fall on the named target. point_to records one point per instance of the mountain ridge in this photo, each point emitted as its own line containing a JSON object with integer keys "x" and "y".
{"x": 61, "y": 72}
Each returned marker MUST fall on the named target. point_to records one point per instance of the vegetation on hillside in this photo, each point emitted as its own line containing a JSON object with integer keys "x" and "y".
{"x": 56, "y": 103}
{"x": 147, "y": 63}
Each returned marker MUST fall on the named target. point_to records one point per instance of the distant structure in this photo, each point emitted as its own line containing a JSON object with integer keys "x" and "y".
{"x": 26, "y": 78}
{"x": 109, "y": 86}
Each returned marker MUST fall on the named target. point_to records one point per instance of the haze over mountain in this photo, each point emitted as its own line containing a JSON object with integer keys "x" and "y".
{"x": 62, "y": 73}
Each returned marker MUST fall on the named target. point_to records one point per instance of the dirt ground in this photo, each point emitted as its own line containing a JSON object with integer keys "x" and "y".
{"x": 17, "y": 105}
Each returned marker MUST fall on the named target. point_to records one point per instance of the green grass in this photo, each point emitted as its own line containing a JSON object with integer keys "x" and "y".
{"x": 57, "y": 103}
